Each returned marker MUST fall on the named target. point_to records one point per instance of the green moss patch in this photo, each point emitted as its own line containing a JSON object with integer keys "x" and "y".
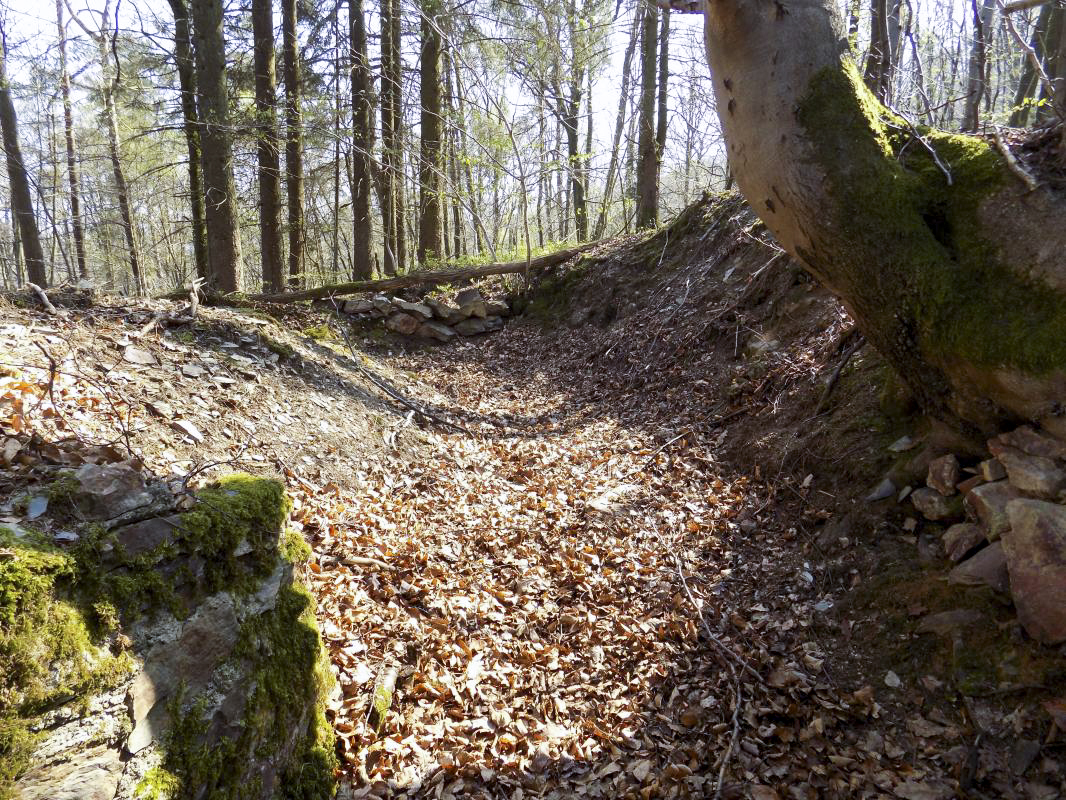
{"x": 905, "y": 225}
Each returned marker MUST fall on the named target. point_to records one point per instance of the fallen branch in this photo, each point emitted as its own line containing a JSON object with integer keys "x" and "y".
{"x": 1012, "y": 163}
{"x": 37, "y": 290}
{"x": 429, "y": 276}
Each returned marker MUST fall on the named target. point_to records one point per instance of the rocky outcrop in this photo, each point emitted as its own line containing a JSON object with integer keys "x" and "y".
{"x": 163, "y": 653}
{"x": 1015, "y": 540}
{"x": 472, "y": 314}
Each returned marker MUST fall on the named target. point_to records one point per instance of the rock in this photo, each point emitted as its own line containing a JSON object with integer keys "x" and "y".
{"x": 470, "y": 327}
{"x": 992, "y": 470}
{"x": 970, "y": 483}
{"x": 81, "y": 775}
{"x": 960, "y": 539}
{"x": 139, "y": 538}
{"x": 948, "y": 623}
{"x": 106, "y": 491}
{"x": 359, "y": 305}
{"x": 1035, "y": 548}
{"x": 1023, "y": 754}
{"x": 401, "y": 322}
{"x": 187, "y": 428}
{"x": 493, "y": 323}
{"x": 884, "y": 490}
{"x": 944, "y": 474}
{"x": 836, "y": 529}
{"x": 497, "y": 308}
{"x": 988, "y": 505}
{"x": 445, "y": 312}
{"x": 471, "y": 303}
{"x": 987, "y": 568}
{"x": 934, "y": 506}
{"x": 902, "y": 445}
{"x": 1034, "y": 443}
{"x": 436, "y": 330}
{"x": 134, "y": 355}
{"x": 382, "y": 304}
{"x": 417, "y": 310}
{"x": 1036, "y": 475}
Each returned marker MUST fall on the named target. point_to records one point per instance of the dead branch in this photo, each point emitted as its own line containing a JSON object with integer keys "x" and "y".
{"x": 1022, "y": 5}
{"x": 1013, "y": 164}
{"x": 37, "y": 290}
{"x": 832, "y": 382}
{"x": 427, "y": 277}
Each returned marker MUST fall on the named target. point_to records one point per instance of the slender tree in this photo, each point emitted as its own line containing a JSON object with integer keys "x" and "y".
{"x": 647, "y": 171}
{"x": 72, "y": 162}
{"x": 267, "y": 146}
{"x": 21, "y": 204}
{"x": 362, "y": 144}
{"x": 294, "y": 171}
{"x": 186, "y": 67}
{"x": 224, "y": 244}
{"x": 429, "y": 171}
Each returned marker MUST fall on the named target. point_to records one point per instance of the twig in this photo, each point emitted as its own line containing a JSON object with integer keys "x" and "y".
{"x": 723, "y": 762}
{"x": 1012, "y": 163}
{"x": 832, "y": 382}
{"x": 37, "y": 290}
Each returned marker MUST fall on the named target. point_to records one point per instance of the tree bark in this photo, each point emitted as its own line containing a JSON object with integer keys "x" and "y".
{"x": 662, "y": 110}
{"x": 977, "y": 81}
{"x": 183, "y": 60}
{"x": 362, "y": 144}
{"x": 647, "y": 172}
{"x": 268, "y": 144}
{"x": 429, "y": 170}
{"x": 72, "y": 163}
{"x": 881, "y": 62}
{"x": 21, "y": 203}
{"x": 220, "y": 192}
{"x": 294, "y": 170}
{"x": 959, "y": 283}
{"x": 1030, "y": 81}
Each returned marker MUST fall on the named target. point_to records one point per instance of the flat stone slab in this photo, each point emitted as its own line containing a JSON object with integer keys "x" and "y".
{"x": 987, "y": 504}
{"x": 987, "y": 568}
{"x": 1035, "y": 548}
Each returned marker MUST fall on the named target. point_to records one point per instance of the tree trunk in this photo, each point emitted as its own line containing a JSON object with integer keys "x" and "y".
{"x": 959, "y": 283}
{"x": 977, "y": 82}
{"x": 183, "y": 59}
{"x": 220, "y": 192}
{"x": 647, "y": 172}
{"x": 72, "y": 163}
{"x": 268, "y": 143}
{"x": 881, "y": 63}
{"x": 362, "y": 144}
{"x": 619, "y": 121}
{"x": 1030, "y": 81}
{"x": 294, "y": 169}
{"x": 396, "y": 145}
{"x": 21, "y": 204}
{"x": 662, "y": 110}
{"x": 429, "y": 221}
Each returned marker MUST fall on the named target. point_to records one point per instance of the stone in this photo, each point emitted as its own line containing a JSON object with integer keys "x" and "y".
{"x": 81, "y": 775}
{"x": 436, "y": 330}
{"x": 934, "y": 506}
{"x": 884, "y": 490}
{"x": 987, "y": 504}
{"x": 401, "y": 322}
{"x": 970, "y": 483}
{"x": 992, "y": 470}
{"x": 837, "y": 528}
{"x": 944, "y": 474}
{"x": 471, "y": 303}
{"x": 445, "y": 312}
{"x": 493, "y": 323}
{"x": 382, "y": 304}
{"x": 141, "y": 537}
{"x": 987, "y": 568}
{"x": 960, "y": 539}
{"x": 1036, "y": 557}
{"x": 497, "y": 308}
{"x": 419, "y": 311}
{"x": 359, "y": 305}
{"x": 106, "y": 491}
{"x": 1034, "y": 443}
{"x": 948, "y": 623}
{"x": 470, "y": 327}
{"x": 902, "y": 444}
{"x": 1036, "y": 475}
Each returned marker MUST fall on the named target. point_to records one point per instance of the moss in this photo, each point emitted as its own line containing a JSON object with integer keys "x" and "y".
{"x": 157, "y": 784}
{"x": 904, "y": 223}
{"x": 47, "y": 652}
{"x": 550, "y": 300}
{"x": 320, "y": 333}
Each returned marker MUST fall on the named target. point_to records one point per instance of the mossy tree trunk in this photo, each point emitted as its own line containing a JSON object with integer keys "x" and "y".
{"x": 950, "y": 266}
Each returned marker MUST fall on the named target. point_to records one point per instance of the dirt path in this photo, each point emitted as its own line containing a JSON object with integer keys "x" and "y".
{"x": 580, "y": 609}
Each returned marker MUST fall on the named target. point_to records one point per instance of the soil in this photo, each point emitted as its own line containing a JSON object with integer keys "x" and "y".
{"x": 619, "y": 549}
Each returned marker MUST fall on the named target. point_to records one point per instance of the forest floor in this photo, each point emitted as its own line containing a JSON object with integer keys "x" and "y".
{"x": 618, "y": 549}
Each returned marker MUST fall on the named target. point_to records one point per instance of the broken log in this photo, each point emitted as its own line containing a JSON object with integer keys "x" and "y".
{"x": 428, "y": 276}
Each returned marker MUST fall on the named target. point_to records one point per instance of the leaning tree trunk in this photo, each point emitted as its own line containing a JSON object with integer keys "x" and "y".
{"x": 958, "y": 281}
